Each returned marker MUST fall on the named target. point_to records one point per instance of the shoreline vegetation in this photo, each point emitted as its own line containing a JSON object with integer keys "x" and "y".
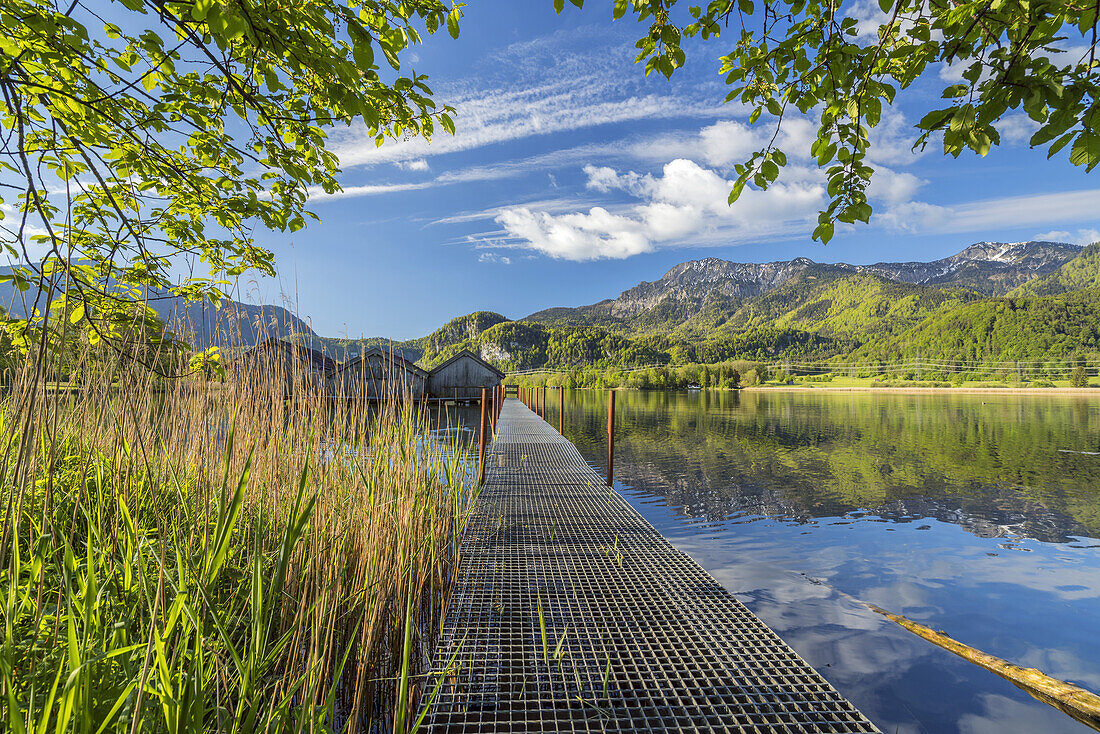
{"x": 760, "y": 376}
{"x": 185, "y": 555}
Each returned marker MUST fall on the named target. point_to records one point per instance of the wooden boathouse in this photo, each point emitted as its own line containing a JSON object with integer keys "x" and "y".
{"x": 280, "y": 360}
{"x": 462, "y": 377}
{"x": 378, "y": 374}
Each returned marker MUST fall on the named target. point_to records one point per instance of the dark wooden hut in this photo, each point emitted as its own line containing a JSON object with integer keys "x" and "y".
{"x": 463, "y": 376}
{"x": 379, "y": 374}
{"x": 288, "y": 364}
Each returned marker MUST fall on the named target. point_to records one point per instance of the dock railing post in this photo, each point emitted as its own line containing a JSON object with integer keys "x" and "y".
{"x": 481, "y": 441}
{"x": 610, "y": 436}
{"x": 544, "y": 402}
{"x": 561, "y": 410}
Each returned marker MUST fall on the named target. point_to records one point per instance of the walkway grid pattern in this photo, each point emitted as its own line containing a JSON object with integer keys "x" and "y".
{"x": 572, "y": 613}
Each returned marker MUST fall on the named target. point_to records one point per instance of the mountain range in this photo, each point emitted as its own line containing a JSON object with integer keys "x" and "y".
{"x": 202, "y": 324}
{"x": 991, "y": 301}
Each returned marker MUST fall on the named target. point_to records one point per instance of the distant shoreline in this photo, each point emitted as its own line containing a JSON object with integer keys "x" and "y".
{"x": 1061, "y": 391}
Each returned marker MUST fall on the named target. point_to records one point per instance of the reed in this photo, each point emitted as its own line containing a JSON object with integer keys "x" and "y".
{"x": 187, "y": 555}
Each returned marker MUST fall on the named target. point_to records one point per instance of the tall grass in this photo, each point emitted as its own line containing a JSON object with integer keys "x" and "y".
{"x": 180, "y": 555}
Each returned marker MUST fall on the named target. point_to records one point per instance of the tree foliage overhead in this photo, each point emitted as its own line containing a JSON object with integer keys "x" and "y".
{"x": 137, "y": 132}
{"x": 825, "y": 59}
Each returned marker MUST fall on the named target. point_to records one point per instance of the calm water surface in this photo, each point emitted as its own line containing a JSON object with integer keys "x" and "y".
{"x": 974, "y": 514}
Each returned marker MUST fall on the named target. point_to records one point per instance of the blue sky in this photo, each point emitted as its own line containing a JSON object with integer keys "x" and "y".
{"x": 572, "y": 177}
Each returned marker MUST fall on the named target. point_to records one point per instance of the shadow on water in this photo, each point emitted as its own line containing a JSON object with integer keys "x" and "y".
{"x": 978, "y": 515}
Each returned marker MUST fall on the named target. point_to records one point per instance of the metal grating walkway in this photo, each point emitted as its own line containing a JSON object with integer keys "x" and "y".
{"x": 637, "y": 636}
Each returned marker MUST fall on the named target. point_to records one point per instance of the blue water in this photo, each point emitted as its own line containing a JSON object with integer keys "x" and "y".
{"x": 976, "y": 515}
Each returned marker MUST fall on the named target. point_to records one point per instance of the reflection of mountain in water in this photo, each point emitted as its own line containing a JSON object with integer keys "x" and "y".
{"x": 992, "y": 467}
{"x": 1005, "y": 515}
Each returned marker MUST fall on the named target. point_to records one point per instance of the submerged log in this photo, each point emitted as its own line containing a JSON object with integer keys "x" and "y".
{"x": 1071, "y": 700}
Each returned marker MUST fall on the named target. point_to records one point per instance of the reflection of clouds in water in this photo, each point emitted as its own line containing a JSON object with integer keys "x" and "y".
{"x": 902, "y": 682}
{"x": 1002, "y": 715}
{"x": 960, "y": 515}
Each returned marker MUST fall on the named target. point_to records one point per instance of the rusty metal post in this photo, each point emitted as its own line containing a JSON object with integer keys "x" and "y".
{"x": 561, "y": 410}
{"x": 544, "y": 402}
{"x": 481, "y": 441}
{"x": 610, "y": 436}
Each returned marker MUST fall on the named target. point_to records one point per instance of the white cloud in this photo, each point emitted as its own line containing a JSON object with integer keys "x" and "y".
{"x": 727, "y": 142}
{"x": 592, "y": 236}
{"x": 686, "y": 204}
{"x": 560, "y": 205}
{"x": 560, "y": 83}
{"x": 990, "y": 215}
{"x": 1080, "y": 237}
{"x": 318, "y": 195}
{"x": 492, "y": 257}
{"x": 892, "y": 186}
{"x": 1016, "y": 129}
{"x": 604, "y": 178}
{"x": 416, "y": 164}
{"x": 892, "y": 140}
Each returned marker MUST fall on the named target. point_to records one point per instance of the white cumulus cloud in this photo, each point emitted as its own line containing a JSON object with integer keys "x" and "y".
{"x": 686, "y": 204}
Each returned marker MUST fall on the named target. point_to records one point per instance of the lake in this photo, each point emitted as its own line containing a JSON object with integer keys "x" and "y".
{"x": 978, "y": 515}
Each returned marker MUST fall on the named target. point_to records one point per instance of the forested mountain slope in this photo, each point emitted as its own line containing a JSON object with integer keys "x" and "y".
{"x": 1081, "y": 272}
{"x": 712, "y": 310}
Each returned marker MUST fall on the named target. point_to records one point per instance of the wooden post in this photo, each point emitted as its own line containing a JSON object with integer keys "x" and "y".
{"x": 610, "y": 436}
{"x": 561, "y": 410}
{"x": 481, "y": 440}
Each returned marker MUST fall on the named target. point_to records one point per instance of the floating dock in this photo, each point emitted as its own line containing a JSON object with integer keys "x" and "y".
{"x": 572, "y": 613}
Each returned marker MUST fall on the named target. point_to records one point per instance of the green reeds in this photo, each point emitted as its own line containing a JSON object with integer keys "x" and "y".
{"x": 184, "y": 556}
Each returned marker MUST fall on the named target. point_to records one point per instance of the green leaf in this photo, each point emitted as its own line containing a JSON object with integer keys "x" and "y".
{"x": 452, "y": 22}
{"x": 77, "y": 314}
{"x": 735, "y": 192}
{"x": 1086, "y": 151}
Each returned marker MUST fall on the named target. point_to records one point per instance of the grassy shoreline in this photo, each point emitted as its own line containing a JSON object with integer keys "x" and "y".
{"x": 181, "y": 559}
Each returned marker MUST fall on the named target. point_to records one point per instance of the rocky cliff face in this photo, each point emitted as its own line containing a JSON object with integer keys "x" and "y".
{"x": 990, "y": 267}
{"x": 993, "y": 268}
{"x": 694, "y": 280}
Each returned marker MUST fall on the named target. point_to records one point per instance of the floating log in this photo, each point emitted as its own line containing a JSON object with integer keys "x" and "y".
{"x": 1082, "y": 705}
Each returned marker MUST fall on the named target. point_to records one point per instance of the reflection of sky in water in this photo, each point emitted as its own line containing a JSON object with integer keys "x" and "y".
{"x": 989, "y": 548}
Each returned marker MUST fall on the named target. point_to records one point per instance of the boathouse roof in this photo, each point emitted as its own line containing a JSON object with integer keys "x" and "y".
{"x": 389, "y": 355}
{"x": 466, "y": 354}
{"x": 315, "y": 359}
